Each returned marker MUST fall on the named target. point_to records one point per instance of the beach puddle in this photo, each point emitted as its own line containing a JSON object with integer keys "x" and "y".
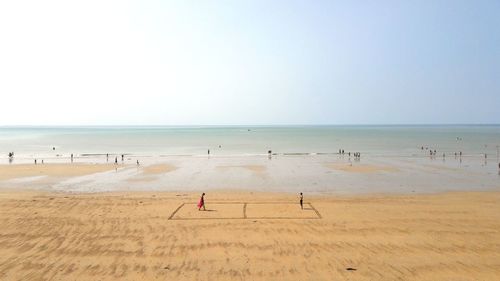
{"x": 158, "y": 169}
{"x": 142, "y": 179}
{"x": 360, "y": 168}
{"x": 26, "y": 179}
{"x": 251, "y": 168}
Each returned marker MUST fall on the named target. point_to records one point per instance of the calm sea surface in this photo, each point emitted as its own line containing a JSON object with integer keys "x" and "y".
{"x": 376, "y": 141}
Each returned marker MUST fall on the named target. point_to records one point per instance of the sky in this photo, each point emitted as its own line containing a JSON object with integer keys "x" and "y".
{"x": 249, "y": 62}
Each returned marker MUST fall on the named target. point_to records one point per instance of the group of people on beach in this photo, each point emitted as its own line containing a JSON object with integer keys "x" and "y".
{"x": 35, "y": 161}
{"x": 201, "y": 203}
{"x": 355, "y": 154}
{"x": 434, "y": 152}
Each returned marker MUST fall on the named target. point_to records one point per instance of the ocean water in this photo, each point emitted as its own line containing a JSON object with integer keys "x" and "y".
{"x": 304, "y": 158}
{"x": 372, "y": 141}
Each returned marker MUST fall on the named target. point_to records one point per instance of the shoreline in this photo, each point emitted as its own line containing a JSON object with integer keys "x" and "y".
{"x": 323, "y": 174}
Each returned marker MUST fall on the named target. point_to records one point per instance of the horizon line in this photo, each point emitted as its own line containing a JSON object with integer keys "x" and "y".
{"x": 253, "y": 125}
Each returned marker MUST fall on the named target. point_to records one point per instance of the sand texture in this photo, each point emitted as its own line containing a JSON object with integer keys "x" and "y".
{"x": 52, "y": 170}
{"x": 360, "y": 168}
{"x": 158, "y": 169}
{"x": 330, "y": 174}
{"x": 248, "y": 236}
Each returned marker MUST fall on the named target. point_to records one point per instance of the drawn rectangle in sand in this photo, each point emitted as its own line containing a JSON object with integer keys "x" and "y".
{"x": 214, "y": 211}
{"x": 280, "y": 211}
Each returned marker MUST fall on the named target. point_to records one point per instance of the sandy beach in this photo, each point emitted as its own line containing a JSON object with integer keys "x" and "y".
{"x": 248, "y": 236}
{"x": 52, "y": 170}
{"x": 400, "y": 216}
{"x": 250, "y": 140}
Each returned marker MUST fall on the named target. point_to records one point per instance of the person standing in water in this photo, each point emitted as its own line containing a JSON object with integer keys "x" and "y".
{"x": 301, "y": 197}
{"x": 202, "y": 202}
{"x": 116, "y": 160}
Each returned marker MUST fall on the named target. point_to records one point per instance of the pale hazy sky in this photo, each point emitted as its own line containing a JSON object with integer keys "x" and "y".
{"x": 249, "y": 62}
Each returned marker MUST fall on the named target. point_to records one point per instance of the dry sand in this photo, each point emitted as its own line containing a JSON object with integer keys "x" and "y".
{"x": 249, "y": 236}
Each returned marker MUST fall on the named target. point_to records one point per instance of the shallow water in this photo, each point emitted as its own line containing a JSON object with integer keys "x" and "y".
{"x": 303, "y": 159}
{"x": 240, "y": 141}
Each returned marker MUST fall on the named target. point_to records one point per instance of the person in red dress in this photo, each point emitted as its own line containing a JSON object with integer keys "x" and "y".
{"x": 301, "y": 197}
{"x": 202, "y": 202}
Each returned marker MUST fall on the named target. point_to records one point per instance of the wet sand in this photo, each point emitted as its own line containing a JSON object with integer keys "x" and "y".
{"x": 252, "y": 168}
{"x": 320, "y": 174}
{"x": 360, "y": 168}
{"x": 248, "y": 236}
{"x": 158, "y": 169}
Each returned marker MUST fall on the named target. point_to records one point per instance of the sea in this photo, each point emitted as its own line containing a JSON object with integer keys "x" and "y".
{"x": 374, "y": 140}
{"x": 313, "y": 159}
{"x": 162, "y": 141}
